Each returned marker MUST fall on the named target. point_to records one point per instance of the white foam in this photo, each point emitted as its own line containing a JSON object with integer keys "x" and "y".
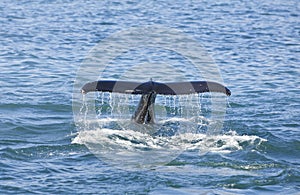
{"x": 130, "y": 145}
{"x": 220, "y": 143}
{"x": 132, "y": 140}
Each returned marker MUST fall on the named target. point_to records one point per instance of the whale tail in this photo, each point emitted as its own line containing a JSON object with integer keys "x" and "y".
{"x": 145, "y": 109}
{"x": 172, "y": 88}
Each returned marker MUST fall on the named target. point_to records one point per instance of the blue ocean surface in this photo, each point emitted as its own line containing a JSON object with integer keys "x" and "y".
{"x": 256, "y": 47}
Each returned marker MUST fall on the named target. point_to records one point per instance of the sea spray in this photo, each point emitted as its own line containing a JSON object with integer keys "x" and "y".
{"x": 180, "y": 126}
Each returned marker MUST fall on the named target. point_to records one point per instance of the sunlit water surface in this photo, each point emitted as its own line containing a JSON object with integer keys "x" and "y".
{"x": 256, "y": 46}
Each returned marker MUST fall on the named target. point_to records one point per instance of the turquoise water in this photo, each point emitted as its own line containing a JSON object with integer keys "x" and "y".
{"x": 256, "y": 46}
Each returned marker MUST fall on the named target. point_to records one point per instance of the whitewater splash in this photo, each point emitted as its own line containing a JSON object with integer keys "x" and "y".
{"x": 131, "y": 149}
{"x": 181, "y": 125}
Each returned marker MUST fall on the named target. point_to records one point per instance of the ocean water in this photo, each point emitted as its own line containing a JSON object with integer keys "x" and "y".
{"x": 46, "y": 149}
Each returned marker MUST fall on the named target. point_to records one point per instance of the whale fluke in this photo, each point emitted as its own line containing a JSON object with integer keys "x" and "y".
{"x": 172, "y": 88}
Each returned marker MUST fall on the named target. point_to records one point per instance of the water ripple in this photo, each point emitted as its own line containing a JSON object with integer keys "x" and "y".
{"x": 256, "y": 45}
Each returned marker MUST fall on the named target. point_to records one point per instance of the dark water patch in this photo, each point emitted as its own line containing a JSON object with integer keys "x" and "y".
{"x": 11, "y": 189}
{"x": 286, "y": 151}
{"x": 39, "y": 152}
{"x": 11, "y": 143}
